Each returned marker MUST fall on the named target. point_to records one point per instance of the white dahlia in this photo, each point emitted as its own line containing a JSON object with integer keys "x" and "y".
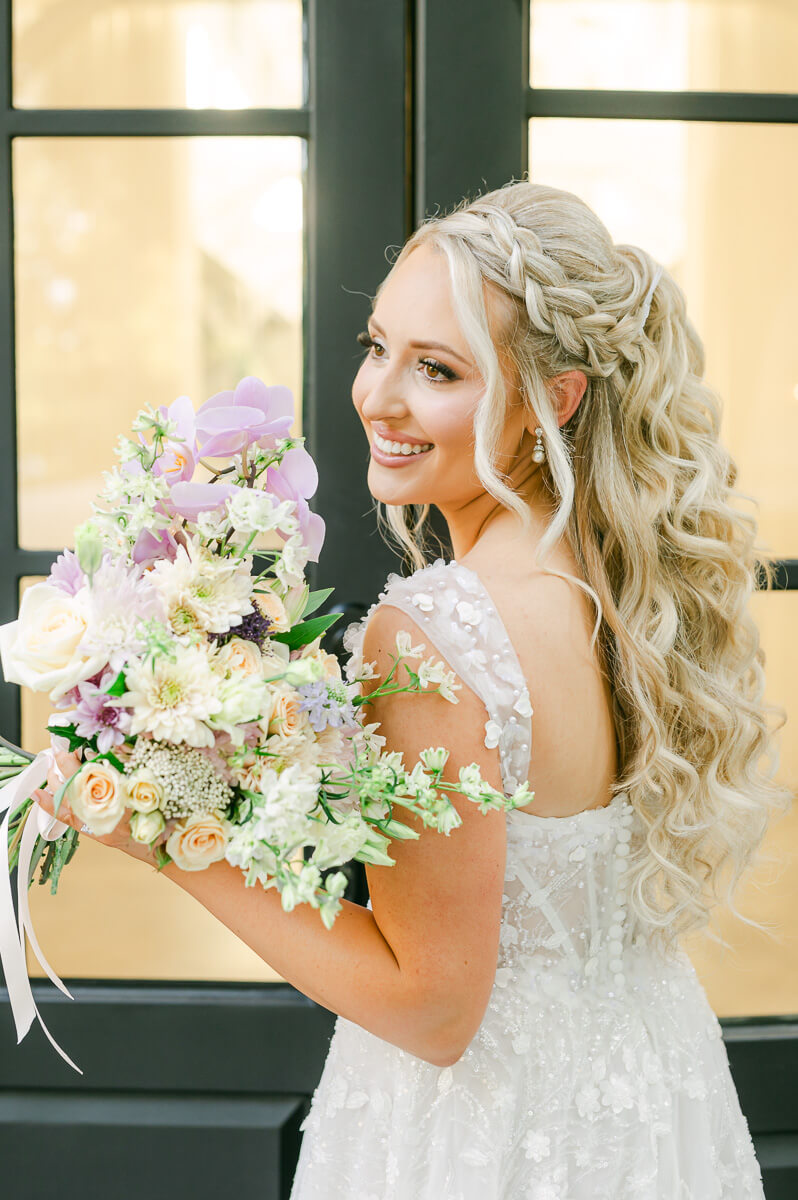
{"x": 172, "y": 698}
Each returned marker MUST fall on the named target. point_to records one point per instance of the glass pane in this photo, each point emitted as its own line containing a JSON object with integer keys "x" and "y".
{"x": 116, "y": 918}
{"x": 667, "y": 45}
{"x": 690, "y": 193}
{"x": 157, "y": 53}
{"x": 146, "y": 268}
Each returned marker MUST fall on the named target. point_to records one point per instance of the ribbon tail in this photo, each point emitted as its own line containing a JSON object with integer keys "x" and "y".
{"x": 12, "y": 932}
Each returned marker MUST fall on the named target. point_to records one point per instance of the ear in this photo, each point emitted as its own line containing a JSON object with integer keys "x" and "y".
{"x": 568, "y": 389}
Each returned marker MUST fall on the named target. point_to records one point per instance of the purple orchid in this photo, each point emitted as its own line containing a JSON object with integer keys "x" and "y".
{"x": 190, "y": 499}
{"x": 297, "y": 478}
{"x": 152, "y": 544}
{"x": 230, "y": 421}
{"x": 179, "y": 455}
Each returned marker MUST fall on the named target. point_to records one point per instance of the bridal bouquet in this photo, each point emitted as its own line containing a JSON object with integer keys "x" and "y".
{"x": 178, "y": 646}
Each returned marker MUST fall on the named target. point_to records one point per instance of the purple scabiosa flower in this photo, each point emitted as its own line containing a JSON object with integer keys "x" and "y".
{"x": 66, "y": 573}
{"x": 98, "y": 713}
{"x": 326, "y": 705}
{"x": 254, "y": 627}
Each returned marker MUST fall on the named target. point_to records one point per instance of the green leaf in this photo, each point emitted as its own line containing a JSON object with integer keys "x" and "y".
{"x": 316, "y": 599}
{"x": 110, "y": 757}
{"x": 118, "y": 687}
{"x": 306, "y": 631}
{"x": 76, "y": 742}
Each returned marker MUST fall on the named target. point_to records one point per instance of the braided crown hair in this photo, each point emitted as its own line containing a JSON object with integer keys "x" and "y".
{"x": 643, "y": 489}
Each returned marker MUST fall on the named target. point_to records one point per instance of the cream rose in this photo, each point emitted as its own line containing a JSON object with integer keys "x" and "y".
{"x": 98, "y": 796}
{"x": 197, "y": 842}
{"x": 146, "y": 826}
{"x": 41, "y": 649}
{"x": 239, "y": 657}
{"x": 287, "y": 718}
{"x": 273, "y": 608}
{"x": 145, "y": 792}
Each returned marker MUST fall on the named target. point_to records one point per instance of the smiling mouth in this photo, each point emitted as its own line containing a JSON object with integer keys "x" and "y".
{"x": 401, "y": 450}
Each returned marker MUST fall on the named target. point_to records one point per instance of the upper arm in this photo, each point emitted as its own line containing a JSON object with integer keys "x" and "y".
{"x": 439, "y": 906}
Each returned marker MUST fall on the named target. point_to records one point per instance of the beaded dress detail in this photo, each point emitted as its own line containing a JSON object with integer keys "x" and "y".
{"x": 599, "y": 1071}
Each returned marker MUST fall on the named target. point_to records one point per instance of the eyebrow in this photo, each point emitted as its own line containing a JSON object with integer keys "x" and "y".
{"x": 427, "y": 345}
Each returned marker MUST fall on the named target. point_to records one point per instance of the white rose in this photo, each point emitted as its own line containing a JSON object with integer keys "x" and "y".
{"x": 146, "y": 826}
{"x": 145, "y": 792}
{"x": 41, "y": 649}
{"x": 242, "y": 701}
{"x": 303, "y": 670}
{"x": 197, "y": 842}
{"x": 98, "y": 796}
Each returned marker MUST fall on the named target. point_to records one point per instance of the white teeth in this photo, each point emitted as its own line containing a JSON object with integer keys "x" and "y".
{"x": 400, "y": 448}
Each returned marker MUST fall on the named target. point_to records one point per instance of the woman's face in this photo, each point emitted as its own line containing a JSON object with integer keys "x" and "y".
{"x": 416, "y": 394}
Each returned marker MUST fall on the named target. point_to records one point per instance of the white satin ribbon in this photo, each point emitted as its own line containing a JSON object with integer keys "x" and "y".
{"x": 13, "y": 931}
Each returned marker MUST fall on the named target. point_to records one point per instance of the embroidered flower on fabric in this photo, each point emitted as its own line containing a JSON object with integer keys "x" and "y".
{"x": 695, "y": 1087}
{"x": 536, "y": 1145}
{"x": 423, "y": 600}
{"x": 521, "y": 1044}
{"x": 587, "y": 1101}
{"x": 468, "y": 613}
{"x": 523, "y": 705}
{"x": 618, "y": 1092}
{"x": 493, "y": 733}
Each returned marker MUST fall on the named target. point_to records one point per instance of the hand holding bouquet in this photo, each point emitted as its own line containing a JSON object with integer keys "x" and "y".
{"x": 197, "y": 716}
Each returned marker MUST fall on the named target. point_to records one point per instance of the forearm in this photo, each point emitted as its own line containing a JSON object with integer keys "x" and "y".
{"x": 349, "y": 969}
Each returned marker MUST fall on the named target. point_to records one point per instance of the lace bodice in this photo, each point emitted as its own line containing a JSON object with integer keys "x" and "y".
{"x": 565, "y": 902}
{"x": 598, "y": 1071}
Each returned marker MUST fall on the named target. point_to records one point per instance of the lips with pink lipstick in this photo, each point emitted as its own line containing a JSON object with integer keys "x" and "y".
{"x": 398, "y": 451}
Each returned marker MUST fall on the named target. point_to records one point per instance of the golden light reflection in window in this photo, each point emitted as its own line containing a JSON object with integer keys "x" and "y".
{"x": 158, "y": 54}
{"x": 146, "y": 268}
{"x": 664, "y": 45}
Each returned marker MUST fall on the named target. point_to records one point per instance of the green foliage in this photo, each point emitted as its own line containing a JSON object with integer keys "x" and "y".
{"x": 306, "y": 631}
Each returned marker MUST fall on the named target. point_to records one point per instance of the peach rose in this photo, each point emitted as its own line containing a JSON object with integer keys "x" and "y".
{"x": 273, "y": 608}
{"x": 287, "y": 718}
{"x": 145, "y": 792}
{"x": 197, "y": 842}
{"x": 98, "y": 796}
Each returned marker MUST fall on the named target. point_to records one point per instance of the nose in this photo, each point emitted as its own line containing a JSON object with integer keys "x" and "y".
{"x": 383, "y": 399}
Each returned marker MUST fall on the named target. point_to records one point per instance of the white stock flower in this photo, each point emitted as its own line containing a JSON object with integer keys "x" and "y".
{"x": 42, "y": 649}
{"x": 404, "y": 645}
{"x": 253, "y": 511}
{"x": 432, "y": 671}
{"x": 172, "y": 698}
{"x": 290, "y": 566}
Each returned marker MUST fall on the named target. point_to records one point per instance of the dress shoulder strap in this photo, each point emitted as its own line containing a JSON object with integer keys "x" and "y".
{"x": 449, "y": 602}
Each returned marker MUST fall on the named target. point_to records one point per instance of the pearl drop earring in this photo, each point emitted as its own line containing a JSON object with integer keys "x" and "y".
{"x": 538, "y": 450}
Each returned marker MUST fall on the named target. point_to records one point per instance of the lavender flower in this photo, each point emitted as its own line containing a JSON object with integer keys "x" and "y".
{"x": 66, "y": 573}
{"x": 254, "y": 627}
{"x": 97, "y": 713}
{"x": 326, "y": 705}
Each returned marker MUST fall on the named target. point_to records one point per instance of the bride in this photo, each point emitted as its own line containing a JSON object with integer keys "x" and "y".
{"x": 516, "y": 1018}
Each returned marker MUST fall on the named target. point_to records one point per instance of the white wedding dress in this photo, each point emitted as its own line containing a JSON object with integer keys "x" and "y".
{"x": 598, "y": 1072}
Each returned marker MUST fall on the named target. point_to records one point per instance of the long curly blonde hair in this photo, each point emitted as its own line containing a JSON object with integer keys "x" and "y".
{"x": 643, "y": 490}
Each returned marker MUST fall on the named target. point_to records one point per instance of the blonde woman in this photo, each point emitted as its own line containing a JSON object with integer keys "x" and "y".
{"x": 517, "y": 1020}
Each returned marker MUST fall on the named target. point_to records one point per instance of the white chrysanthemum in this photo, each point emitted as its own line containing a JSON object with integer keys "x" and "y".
{"x": 201, "y": 590}
{"x": 172, "y": 699}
